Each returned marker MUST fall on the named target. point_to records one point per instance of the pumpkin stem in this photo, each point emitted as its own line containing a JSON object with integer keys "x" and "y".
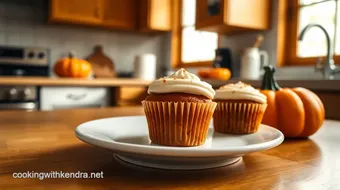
{"x": 268, "y": 81}
{"x": 71, "y": 54}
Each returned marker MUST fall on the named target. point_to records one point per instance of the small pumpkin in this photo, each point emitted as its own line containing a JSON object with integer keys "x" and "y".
{"x": 215, "y": 73}
{"x": 72, "y": 67}
{"x": 296, "y": 112}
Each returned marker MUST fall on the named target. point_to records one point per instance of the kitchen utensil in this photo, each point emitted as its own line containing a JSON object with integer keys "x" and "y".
{"x": 129, "y": 140}
{"x": 102, "y": 65}
{"x": 145, "y": 67}
{"x": 258, "y": 41}
{"x": 251, "y": 64}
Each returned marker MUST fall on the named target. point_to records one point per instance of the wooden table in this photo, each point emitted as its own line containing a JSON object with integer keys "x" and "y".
{"x": 45, "y": 141}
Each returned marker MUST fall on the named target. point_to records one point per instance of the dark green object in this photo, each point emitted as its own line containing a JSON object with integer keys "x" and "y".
{"x": 268, "y": 81}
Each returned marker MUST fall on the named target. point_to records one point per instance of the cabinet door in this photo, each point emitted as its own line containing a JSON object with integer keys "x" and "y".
{"x": 155, "y": 15}
{"x": 131, "y": 96}
{"x": 120, "y": 14}
{"x": 209, "y": 13}
{"x": 232, "y": 16}
{"x": 76, "y": 11}
{"x": 252, "y": 14}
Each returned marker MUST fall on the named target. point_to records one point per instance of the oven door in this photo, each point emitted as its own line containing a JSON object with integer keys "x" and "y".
{"x": 19, "y": 106}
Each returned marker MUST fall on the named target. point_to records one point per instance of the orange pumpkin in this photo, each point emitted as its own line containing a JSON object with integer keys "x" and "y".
{"x": 215, "y": 73}
{"x": 296, "y": 112}
{"x": 72, "y": 67}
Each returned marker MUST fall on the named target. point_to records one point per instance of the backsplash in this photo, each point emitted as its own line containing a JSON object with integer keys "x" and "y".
{"x": 24, "y": 23}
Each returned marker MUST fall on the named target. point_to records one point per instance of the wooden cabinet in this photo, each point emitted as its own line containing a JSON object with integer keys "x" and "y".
{"x": 131, "y": 96}
{"x": 76, "y": 11}
{"x": 120, "y": 14}
{"x": 154, "y": 15}
{"x": 232, "y": 16}
{"x": 331, "y": 102}
{"x": 133, "y": 15}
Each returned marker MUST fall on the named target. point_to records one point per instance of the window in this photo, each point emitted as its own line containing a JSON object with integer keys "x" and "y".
{"x": 304, "y": 12}
{"x": 190, "y": 47}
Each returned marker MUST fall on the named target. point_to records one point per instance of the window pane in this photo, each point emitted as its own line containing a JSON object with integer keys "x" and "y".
{"x": 337, "y": 45}
{"x": 314, "y": 42}
{"x": 208, "y": 44}
{"x": 197, "y": 45}
{"x": 189, "y": 44}
{"x": 188, "y": 12}
{"x": 308, "y": 2}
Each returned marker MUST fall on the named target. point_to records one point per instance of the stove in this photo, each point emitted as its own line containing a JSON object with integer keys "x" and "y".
{"x": 22, "y": 62}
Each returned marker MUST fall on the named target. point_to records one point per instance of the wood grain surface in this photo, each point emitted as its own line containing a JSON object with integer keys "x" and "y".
{"x": 45, "y": 141}
{"x": 45, "y": 81}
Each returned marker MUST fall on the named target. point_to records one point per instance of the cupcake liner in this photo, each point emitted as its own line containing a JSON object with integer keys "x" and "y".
{"x": 238, "y": 118}
{"x": 178, "y": 123}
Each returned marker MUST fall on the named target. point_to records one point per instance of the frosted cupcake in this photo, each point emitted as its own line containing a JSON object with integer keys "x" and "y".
{"x": 179, "y": 109}
{"x": 239, "y": 110}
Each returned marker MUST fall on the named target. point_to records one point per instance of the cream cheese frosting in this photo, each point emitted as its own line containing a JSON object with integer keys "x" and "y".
{"x": 240, "y": 91}
{"x": 184, "y": 82}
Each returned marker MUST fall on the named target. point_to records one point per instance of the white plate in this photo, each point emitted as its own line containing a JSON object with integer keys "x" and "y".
{"x": 128, "y": 138}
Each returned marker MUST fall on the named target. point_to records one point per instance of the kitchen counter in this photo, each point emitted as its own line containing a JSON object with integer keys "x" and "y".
{"x": 45, "y": 141}
{"x": 45, "y": 81}
{"x": 331, "y": 85}
{"x": 315, "y": 85}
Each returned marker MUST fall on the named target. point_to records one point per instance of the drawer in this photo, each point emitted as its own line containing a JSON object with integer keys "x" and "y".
{"x": 73, "y": 97}
{"x": 131, "y": 96}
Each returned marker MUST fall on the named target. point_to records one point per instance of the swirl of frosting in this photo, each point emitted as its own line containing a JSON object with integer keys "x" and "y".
{"x": 240, "y": 91}
{"x": 182, "y": 81}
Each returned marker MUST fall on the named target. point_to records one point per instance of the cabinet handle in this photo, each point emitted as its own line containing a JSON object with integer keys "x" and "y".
{"x": 76, "y": 97}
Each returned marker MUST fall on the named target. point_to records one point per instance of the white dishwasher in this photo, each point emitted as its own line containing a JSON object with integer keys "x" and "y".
{"x": 52, "y": 98}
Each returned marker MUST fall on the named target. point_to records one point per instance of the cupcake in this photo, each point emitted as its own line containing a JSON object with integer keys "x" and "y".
{"x": 239, "y": 109}
{"x": 179, "y": 109}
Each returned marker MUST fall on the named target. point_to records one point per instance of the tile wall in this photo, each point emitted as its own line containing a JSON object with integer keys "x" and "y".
{"x": 24, "y": 23}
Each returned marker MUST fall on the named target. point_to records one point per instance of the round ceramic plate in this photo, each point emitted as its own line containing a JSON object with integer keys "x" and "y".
{"x": 128, "y": 138}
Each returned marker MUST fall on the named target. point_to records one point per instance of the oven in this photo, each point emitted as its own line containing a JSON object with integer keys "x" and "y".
{"x": 22, "y": 62}
{"x": 19, "y": 98}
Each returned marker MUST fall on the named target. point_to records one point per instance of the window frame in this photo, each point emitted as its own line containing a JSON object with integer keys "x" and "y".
{"x": 176, "y": 40}
{"x": 288, "y": 15}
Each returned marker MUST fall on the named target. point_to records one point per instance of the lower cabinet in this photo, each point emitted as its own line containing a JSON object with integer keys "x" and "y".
{"x": 131, "y": 96}
{"x": 331, "y": 102}
{"x": 53, "y": 98}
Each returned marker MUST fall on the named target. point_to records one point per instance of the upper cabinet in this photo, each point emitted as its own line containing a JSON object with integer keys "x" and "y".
{"x": 155, "y": 15}
{"x": 120, "y": 14}
{"x": 76, "y": 11}
{"x": 232, "y": 16}
{"x": 133, "y": 15}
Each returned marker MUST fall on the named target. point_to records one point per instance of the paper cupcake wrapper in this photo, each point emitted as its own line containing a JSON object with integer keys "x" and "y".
{"x": 238, "y": 118}
{"x": 178, "y": 123}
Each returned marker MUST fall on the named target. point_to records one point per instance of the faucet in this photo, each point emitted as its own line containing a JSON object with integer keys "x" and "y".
{"x": 328, "y": 68}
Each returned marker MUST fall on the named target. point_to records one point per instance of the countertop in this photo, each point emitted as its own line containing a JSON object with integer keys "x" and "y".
{"x": 328, "y": 85}
{"x": 45, "y": 81}
{"x": 315, "y": 84}
{"x": 45, "y": 141}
